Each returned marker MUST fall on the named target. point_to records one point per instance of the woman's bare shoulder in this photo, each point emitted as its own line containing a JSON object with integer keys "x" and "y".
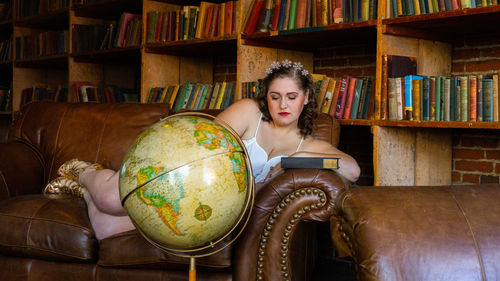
{"x": 241, "y": 115}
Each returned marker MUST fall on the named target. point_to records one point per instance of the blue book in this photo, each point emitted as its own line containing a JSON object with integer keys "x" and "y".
{"x": 282, "y": 14}
{"x": 409, "y": 95}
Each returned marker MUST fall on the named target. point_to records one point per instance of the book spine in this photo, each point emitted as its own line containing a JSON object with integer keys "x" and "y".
{"x": 446, "y": 99}
{"x": 415, "y": 85}
{"x": 344, "y": 83}
{"x": 408, "y": 98}
{"x": 391, "y": 95}
{"x": 254, "y": 17}
{"x": 438, "y": 96}
{"x": 426, "y": 98}
{"x": 496, "y": 99}
{"x": 464, "y": 99}
{"x": 473, "y": 98}
{"x": 479, "y": 96}
{"x": 356, "y": 98}
{"x": 487, "y": 99}
{"x": 293, "y": 13}
{"x": 350, "y": 97}
{"x": 276, "y": 15}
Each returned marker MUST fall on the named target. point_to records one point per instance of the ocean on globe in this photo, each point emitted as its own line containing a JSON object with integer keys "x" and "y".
{"x": 186, "y": 183}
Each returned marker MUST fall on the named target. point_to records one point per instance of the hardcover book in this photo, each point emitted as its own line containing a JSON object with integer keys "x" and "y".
{"x": 310, "y": 163}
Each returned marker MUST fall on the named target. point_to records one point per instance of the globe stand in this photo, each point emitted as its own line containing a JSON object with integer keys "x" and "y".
{"x": 134, "y": 180}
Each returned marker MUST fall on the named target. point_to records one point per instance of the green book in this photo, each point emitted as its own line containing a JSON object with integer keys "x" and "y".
{"x": 367, "y": 98}
{"x": 355, "y": 100}
{"x": 488, "y": 99}
{"x": 183, "y": 96}
{"x": 464, "y": 98}
{"x": 293, "y": 12}
{"x": 437, "y": 96}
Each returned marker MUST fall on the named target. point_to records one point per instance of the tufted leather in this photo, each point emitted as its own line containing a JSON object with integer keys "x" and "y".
{"x": 52, "y": 238}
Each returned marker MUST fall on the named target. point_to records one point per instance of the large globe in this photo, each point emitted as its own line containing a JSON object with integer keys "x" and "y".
{"x": 187, "y": 185}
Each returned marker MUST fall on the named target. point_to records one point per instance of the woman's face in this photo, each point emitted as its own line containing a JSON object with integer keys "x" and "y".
{"x": 286, "y": 101}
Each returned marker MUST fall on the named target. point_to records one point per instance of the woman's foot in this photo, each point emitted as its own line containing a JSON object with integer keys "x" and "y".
{"x": 63, "y": 185}
{"x": 74, "y": 167}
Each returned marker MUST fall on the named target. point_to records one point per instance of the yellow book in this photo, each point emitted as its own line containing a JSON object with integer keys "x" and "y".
{"x": 416, "y": 5}
{"x": 324, "y": 12}
{"x": 164, "y": 93}
{"x": 220, "y": 95}
{"x": 195, "y": 96}
{"x": 365, "y": 10}
{"x": 202, "y": 18}
{"x": 327, "y": 102}
{"x": 317, "y": 77}
{"x": 174, "y": 95}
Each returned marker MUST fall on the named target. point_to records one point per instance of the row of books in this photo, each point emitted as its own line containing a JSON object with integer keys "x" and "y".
{"x": 42, "y": 44}
{"x": 85, "y": 91}
{"x": 5, "y": 11}
{"x": 399, "y": 8}
{"x": 348, "y": 97}
{"x": 28, "y": 8}
{"x": 5, "y": 50}
{"x": 209, "y": 20}
{"x": 249, "y": 90}
{"x": 92, "y": 37}
{"x": 266, "y": 15}
{"x": 44, "y": 92}
{"x": 195, "y": 96}
{"x": 5, "y": 100}
{"x": 440, "y": 98}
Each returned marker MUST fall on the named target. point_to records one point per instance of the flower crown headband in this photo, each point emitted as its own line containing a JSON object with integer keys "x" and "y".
{"x": 275, "y": 65}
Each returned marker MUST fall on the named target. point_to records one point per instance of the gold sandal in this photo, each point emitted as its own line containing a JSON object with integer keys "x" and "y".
{"x": 63, "y": 185}
{"x": 74, "y": 167}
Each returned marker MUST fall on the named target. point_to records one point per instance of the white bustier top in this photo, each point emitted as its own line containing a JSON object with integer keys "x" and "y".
{"x": 261, "y": 165}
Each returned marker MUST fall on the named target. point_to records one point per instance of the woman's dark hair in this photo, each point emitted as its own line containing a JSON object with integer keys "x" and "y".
{"x": 304, "y": 82}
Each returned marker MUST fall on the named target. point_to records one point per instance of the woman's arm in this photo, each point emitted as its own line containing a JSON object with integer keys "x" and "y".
{"x": 239, "y": 115}
{"x": 348, "y": 167}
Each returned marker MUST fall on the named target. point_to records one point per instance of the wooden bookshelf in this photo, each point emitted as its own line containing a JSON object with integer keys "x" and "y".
{"x": 428, "y": 37}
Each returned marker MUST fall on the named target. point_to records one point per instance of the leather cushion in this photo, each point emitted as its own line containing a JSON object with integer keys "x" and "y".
{"x": 47, "y": 227}
{"x": 129, "y": 249}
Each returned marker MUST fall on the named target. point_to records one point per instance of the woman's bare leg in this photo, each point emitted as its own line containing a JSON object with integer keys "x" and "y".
{"x": 106, "y": 213}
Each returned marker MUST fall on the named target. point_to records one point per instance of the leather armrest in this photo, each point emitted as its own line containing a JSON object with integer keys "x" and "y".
{"x": 21, "y": 170}
{"x": 297, "y": 194}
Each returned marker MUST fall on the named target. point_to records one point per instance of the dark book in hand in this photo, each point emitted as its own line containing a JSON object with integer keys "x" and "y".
{"x": 310, "y": 163}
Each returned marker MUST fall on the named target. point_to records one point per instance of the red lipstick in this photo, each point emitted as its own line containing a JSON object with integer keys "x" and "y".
{"x": 284, "y": 113}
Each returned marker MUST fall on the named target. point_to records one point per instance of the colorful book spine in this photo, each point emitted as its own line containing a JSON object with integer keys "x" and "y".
{"x": 464, "y": 99}
{"x": 446, "y": 99}
{"x": 416, "y": 94}
{"x": 349, "y": 97}
{"x": 432, "y": 98}
{"x": 473, "y": 98}
{"x": 488, "y": 99}
{"x": 356, "y": 98}
{"x": 293, "y": 13}
{"x": 479, "y": 96}
{"x": 344, "y": 84}
{"x": 439, "y": 90}
{"x": 425, "y": 98}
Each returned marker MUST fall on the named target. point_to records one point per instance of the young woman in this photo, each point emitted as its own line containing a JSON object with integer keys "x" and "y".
{"x": 278, "y": 123}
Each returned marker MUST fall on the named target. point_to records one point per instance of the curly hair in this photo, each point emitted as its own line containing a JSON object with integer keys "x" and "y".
{"x": 304, "y": 82}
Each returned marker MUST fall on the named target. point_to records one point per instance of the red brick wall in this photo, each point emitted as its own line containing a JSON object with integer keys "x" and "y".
{"x": 356, "y": 60}
{"x": 225, "y": 68}
{"x": 476, "y": 153}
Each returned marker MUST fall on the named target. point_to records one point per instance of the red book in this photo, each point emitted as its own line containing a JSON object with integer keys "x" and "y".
{"x": 208, "y": 23}
{"x": 455, "y": 5}
{"x": 344, "y": 84}
{"x": 251, "y": 26}
{"x": 215, "y": 19}
{"x": 300, "y": 19}
{"x": 383, "y": 99}
{"x": 473, "y": 98}
{"x": 349, "y": 98}
{"x": 228, "y": 23}
{"x": 171, "y": 26}
{"x": 159, "y": 27}
{"x": 319, "y": 21}
{"x": 276, "y": 15}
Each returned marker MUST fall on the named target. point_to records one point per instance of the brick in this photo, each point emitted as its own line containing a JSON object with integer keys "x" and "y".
{"x": 220, "y": 69}
{"x": 470, "y": 178}
{"x": 482, "y": 40}
{"x": 458, "y": 67}
{"x": 456, "y": 140}
{"x": 231, "y": 69}
{"x": 370, "y": 71}
{"x": 489, "y": 179}
{"x": 479, "y": 166}
{"x": 493, "y": 154}
{"x": 349, "y": 71}
{"x": 468, "y": 154}
{"x": 465, "y": 54}
{"x": 366, "y": 60}
{"x": 479, "y": 142}
{"x": 349, "y": 51}
{"x": 327, "y": 72}
{"x": 497, "y": 168}
{"x": 490, "y": 52}
{"x": 477, "y": 66}
{"x": 456, "y": 177}
{"x": 324, "y": 53}
{"x": 334, "y": 62}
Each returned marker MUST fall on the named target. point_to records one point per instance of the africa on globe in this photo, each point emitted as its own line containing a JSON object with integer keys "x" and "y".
{"x": 186, "y": 183}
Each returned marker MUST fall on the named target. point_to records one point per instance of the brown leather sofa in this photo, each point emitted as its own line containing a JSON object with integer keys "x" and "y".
{"x": 431, "y": 233}
{"x": 50, "y": 237}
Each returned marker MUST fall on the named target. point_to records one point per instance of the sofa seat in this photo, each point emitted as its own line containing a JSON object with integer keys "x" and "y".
{"x": 430, "y": 233}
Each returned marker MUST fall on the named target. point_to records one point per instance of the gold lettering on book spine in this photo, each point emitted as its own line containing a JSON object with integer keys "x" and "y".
{"x": 331, "y": 163}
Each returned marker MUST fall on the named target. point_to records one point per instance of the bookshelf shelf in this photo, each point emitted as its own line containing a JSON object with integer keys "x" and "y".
{"x": 55, "y": 61}
{"x": 51, "y": 20}
{"x": 448, "y": 24}
{"x": 116, "y": 55}
{"x": 437, "y": 124}
{"x": 107, "y": 9}
{"x": 309, "y": 39}
{"x": 356, "y": 122}
{"x": 3, "y": 113}
{"x": 196, "y": 47}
